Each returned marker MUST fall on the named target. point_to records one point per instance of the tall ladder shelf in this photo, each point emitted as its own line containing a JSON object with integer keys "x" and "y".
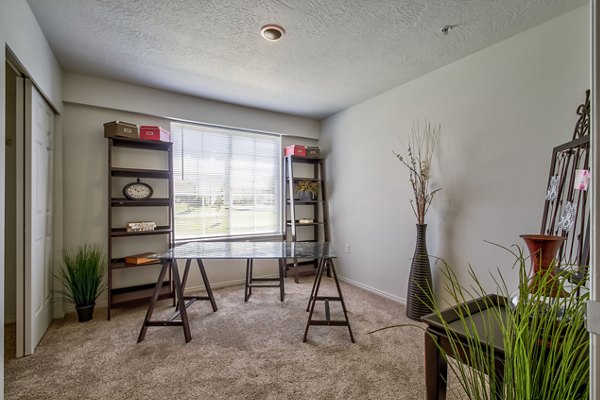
{"x": 298, "y": 169}
{"x": 132, "y": 294}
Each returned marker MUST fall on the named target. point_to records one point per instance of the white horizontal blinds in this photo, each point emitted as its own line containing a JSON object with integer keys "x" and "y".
{"x": 227, "y": 182}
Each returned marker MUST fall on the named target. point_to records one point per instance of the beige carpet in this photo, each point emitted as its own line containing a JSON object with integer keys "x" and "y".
{"x": 248, "y": 350}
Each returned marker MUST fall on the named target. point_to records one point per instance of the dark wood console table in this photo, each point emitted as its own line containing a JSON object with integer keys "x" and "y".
{"x": 436, "y": 337}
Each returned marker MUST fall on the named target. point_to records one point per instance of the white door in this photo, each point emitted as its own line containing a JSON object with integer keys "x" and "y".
{"x": 38, "y": 182}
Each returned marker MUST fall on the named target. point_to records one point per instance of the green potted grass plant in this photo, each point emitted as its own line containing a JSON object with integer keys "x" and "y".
{"x": 546, "y": 345}
{"x": 82, "y": 277}
{"x": 545, "y": 341}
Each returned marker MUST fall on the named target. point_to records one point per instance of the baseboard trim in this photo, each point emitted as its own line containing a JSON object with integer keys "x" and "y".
{"x": 373, "y": 290}
{"x": 69, "y": 308}
{"x": 341, "y": 278}
{"x": 220, "y": 285}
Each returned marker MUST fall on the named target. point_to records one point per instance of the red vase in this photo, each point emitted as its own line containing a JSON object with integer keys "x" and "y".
{"x": 543, "y": 249}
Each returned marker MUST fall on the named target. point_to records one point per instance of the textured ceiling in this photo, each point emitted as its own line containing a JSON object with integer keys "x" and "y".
{"x": 335, "y": 53}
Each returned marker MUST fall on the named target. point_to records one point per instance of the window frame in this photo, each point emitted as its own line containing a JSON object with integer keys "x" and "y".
{"x": 231, "y": 131}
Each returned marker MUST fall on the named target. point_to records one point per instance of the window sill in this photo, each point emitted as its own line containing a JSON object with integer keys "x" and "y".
{"x": 244, "y": 238}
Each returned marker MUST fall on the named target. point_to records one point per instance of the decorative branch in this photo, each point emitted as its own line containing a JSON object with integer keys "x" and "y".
{"x": 419, "y": 154}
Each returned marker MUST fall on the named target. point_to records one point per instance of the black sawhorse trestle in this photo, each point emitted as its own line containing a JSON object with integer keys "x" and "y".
{"x": 326, "y": 264}
{"x": 179, "y": 318}
{"x": 250, "y": 280}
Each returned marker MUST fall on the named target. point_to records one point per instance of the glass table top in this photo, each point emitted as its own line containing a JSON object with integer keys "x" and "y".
{"x": 255, "y": 250}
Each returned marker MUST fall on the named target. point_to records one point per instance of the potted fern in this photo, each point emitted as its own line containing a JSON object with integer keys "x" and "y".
{"x": 82, "y": 277}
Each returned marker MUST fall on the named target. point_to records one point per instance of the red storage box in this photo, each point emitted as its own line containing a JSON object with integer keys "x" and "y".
{"x": 154, "y": 133}
{"x": 295, "y": 150}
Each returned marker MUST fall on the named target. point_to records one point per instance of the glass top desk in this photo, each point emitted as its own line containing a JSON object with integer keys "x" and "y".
{"x": 199, "y": 251}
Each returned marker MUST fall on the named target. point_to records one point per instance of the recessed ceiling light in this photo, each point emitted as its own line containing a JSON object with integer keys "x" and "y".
{"x": 272, "y": 32}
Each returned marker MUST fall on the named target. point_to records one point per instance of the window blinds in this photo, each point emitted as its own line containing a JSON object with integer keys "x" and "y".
{"x": 226, "y": 182}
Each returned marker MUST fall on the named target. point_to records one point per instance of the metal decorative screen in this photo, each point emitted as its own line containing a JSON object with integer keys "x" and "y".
{"x": 566, "y": 209}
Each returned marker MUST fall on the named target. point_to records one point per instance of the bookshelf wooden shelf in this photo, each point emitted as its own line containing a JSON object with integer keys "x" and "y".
{"x": 297, "y": 208}
{"x": 136, "y": 294}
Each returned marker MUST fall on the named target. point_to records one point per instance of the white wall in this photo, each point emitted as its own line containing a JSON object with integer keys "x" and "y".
{"x": 501, "y": 110}
{"x": 20, "y": 32}
{"x": 85, "y": 159}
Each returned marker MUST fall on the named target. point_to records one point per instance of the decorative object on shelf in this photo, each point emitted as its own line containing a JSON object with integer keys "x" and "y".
{"x": 312, "y": 152}
{"x": 141, "y": 226}
{"x": 137, "y": 190}
{"x": 542, "y": 250}
{"x": 307, "y": 190}
{"x": 306, "y": 220}
{"x": 582, "y": 179}
{"x": 419, "y": 153}
{"x": 567, "y": 217}
{"x": 552, "y": 192}
{"x": 295, "y": 150}
{"x": 120, "y": 129}
{"x": 148, "y": 132}
{"x": 140, "y": 259}
{"x": 82, "y": 277}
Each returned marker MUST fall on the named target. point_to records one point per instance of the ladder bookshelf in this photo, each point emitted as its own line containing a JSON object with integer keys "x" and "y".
{"x": 306, "y": 220}
{"x": 121, "y": 209}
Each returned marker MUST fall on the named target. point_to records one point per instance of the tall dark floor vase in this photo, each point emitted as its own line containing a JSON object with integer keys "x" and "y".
{"x": 419, "y": 294}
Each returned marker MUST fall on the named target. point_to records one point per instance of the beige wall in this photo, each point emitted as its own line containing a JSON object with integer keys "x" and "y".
{"x": 501, "y": 110}
{"x": 105, "y": 93}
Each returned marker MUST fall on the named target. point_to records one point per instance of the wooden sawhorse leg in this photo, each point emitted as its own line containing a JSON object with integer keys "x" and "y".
{"x": 322, "y": 266}
{"x": 172, "y": 264}
{"x": 250, "y": 280}
{"x": 193, "y": 299}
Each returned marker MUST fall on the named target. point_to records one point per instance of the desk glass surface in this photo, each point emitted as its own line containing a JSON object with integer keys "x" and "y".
{"x": 254, "y": 250}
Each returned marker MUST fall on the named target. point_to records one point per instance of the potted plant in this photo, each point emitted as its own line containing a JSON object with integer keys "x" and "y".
{"x": 544, "y": 340}
{"x": 82, "y": 277}
{"x": 307, "y": 190}
{"x": 546, "y": 344}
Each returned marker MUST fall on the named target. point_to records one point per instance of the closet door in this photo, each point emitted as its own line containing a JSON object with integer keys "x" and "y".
{"x": 38, "y": 213}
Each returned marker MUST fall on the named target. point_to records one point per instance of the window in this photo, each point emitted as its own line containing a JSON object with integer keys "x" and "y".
{"x": 227, "y": 182}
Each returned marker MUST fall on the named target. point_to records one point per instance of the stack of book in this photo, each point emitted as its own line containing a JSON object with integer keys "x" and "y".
{"x": 141, "y": 226}
{"x": 139, "y": 259}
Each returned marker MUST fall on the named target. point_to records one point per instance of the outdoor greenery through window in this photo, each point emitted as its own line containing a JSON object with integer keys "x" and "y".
{"x": 227, "y": 182}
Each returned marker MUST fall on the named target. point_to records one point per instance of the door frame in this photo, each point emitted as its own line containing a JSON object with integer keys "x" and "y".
{"x": 20, "y": 216}
{"x": 595, "y": 193}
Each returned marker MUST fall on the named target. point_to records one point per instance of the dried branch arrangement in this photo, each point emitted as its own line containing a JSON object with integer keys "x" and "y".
{"x": 419, "y": 153}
